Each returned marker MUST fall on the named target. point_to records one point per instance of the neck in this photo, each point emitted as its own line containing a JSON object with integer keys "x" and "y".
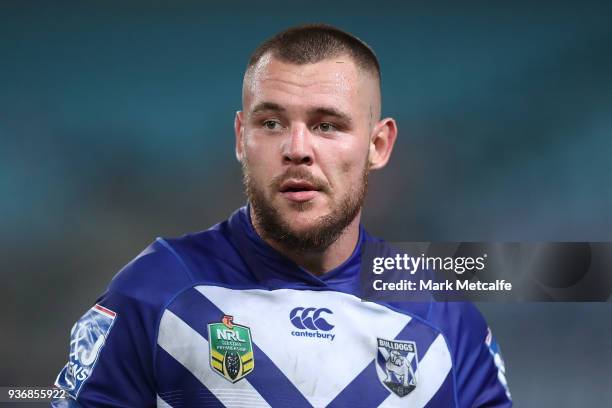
{"x": 317, "y": 262}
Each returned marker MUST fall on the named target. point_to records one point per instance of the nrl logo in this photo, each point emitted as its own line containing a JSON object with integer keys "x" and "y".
{"x": 396, "y": 365}
{"x": 231, "y": 349}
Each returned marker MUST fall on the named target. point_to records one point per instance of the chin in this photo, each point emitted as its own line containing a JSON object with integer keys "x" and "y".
{"x": 302, "y": 226}
{"x": 308, "y": 211}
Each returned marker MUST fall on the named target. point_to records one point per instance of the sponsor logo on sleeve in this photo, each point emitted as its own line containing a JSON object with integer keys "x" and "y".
{"x": 87, "y": 338}
{"x": 498, "y": 360}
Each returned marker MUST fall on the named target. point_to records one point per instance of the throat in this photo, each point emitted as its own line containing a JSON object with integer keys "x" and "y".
{"x": 317, "y": 261}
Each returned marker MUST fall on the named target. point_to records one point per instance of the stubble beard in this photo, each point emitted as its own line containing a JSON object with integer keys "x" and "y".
{"x": 325, "y": 231}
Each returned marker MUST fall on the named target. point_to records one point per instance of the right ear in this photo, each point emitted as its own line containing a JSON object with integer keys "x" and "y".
{"x": 239, "y": 132}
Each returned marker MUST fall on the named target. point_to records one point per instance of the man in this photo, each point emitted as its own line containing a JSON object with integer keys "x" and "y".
{"x": 262, "y": 309}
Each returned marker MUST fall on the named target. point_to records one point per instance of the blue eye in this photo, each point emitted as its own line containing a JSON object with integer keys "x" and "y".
{"x": 327, "y": 127}
{"x": 271, "y": 124}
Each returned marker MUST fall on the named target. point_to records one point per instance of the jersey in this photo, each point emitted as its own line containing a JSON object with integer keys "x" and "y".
{"x": 219, "y": 318}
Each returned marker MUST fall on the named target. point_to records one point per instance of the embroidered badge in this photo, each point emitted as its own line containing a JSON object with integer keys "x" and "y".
{"x": 397, "y": 364}
{"x": 231, "y": 349}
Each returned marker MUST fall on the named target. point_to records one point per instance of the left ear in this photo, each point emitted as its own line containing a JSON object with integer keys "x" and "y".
{"x": 381, "y": 142}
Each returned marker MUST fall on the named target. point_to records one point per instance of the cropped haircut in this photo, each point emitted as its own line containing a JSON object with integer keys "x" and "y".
{"x": 311, "y": 43}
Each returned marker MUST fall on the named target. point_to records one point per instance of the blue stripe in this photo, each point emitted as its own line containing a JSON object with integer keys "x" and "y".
{"x": 444, "y": 397}
{"x": 420, "y": 333}
{"x": 180, "y": 387}
{"x": 362, "y": 391}
{"x": 197, "y": 311}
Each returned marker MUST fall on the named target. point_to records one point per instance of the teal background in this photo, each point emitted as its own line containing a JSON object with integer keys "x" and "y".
{"x": 116, "y": 127}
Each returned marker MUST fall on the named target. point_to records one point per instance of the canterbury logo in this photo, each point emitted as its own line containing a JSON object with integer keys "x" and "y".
{"x": 310, "y": 318}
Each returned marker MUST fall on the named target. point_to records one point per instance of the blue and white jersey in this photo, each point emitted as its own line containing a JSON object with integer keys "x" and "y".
{"x": 220, "y": 319}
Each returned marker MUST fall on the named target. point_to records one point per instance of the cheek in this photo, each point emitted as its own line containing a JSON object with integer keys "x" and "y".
{"x": 352, "y": 159}
{"x": 262, "y": 144}
{"x": 348, "y": 170}
{"x": 260, "y": 157}
{"x": 346, "y": 167}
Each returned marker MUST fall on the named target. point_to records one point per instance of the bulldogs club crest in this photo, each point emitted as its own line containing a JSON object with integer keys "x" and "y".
{"x": 396, "y": 365}
{"x": 231, "y": 349}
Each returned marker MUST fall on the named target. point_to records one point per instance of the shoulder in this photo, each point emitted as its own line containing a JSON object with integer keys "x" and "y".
{"x": 151, "y": 276}
{"x": 461, "y": 322}
{"x": 456, "y": 321}
{"x": 480, "y": 368}
{"x": 169, "y": 265}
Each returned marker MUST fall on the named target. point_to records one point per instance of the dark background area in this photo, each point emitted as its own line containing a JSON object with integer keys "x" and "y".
{"x": 116, "y": 127}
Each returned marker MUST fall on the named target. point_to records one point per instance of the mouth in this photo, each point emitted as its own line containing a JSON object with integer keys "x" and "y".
{"x": 298, "y": 190}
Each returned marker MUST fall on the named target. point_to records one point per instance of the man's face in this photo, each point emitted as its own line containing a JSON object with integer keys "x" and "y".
{"x": 304, "y": 141}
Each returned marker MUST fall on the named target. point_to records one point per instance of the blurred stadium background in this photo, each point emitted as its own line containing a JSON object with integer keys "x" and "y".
{"x": 116, "y": 127}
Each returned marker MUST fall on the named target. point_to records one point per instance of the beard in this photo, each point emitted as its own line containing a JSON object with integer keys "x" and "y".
{"x": 325, "y": 230}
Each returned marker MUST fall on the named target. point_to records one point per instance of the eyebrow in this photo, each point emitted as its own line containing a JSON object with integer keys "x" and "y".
{"x": 330, "y": 111}
{"x": 267, "y": 106}
{"x": 320, "y": 111}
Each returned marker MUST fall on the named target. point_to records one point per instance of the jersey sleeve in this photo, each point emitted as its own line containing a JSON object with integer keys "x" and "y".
{"x": 111, "y": 353}
{"x": 110, "y": 358}
{"x": 480, "y": 373}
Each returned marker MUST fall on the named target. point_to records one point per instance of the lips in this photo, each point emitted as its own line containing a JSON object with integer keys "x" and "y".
{"x": 298, "y": 190}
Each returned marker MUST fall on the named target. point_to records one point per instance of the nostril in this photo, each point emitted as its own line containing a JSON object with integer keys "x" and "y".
{"x": 297, "y": 159}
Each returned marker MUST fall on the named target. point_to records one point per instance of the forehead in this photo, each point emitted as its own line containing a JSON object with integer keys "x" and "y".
{"x": 335, "y": 81}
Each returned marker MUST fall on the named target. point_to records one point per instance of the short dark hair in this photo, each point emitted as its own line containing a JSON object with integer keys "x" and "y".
{"x": 311, "y": 43}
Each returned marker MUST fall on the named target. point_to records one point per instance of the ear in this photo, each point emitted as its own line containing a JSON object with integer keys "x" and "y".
{"x": 381, "y": 142}
{"x": 239, "y": 132}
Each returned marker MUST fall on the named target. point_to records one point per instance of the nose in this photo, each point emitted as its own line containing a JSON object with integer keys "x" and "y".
{"x": 298, "y": 146}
